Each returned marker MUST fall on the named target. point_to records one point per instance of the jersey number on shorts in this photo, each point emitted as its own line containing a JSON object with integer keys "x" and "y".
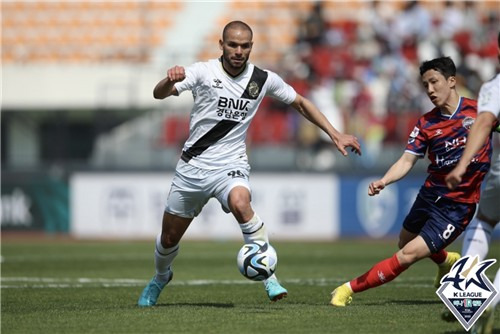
{"x": 235, "y": 174}
{"x": 448, "y": 232}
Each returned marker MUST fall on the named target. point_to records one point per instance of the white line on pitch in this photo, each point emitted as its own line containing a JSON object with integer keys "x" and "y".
{"x": 46, "y": 282}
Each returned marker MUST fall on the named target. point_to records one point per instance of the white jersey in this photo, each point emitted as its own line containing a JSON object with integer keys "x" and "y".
{"x": 223, "y": 108}
{"x": 489, "y": 101}
{"x": 489, "y": 97}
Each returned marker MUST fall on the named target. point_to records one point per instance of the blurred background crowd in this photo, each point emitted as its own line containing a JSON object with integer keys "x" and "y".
{"x": 356, "y": 60}
{"x": 370, "y": 63}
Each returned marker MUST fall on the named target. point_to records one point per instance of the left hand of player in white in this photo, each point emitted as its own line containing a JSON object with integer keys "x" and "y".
{"x": 344, "y": 140}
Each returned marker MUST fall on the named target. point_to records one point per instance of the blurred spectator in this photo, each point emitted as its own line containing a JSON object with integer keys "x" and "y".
{"x": 379, "y": 19}
{"x": 363, "y": 68}
{"x": 452, "y": 20}
{"x": 468, "y": 77}
{"x": 312, "y": 31}
{"x": 322, "y": 95}
{"x": 410, "y": 26}
{"x": 472, "y": 19}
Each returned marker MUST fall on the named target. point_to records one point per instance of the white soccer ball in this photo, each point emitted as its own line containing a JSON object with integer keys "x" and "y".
{"x": 257, "y": 260}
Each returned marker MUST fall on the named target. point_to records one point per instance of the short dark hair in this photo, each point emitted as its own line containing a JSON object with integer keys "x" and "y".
{"x": 236, "y": 24}
{"x": 443, "y": 65}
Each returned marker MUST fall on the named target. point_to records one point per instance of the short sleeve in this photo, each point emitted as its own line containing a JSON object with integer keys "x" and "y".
{"x": 192, "y": 78}
{"x": 279, "y": 89}
{"x": 489, "y": 97}
{"x": 417, "y": 141}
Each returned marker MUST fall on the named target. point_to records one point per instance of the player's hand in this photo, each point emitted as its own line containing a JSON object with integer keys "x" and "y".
{"x": 454, "y": 178}
{"x": 176, "y": 74}
{"x": 344, "y": 141}
{"x": 376, "y": 187}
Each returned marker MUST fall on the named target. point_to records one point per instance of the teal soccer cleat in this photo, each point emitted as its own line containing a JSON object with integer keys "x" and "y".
{"x": 274, "y": 290}
{"x": 152, "y": 291}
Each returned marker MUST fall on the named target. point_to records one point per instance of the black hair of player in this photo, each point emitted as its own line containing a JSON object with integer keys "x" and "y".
{"x": 443, "y": 65}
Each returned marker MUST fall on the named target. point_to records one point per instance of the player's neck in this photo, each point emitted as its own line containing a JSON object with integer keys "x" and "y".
{"x": 232, "y": 71}
{"x": 451, "y": 104}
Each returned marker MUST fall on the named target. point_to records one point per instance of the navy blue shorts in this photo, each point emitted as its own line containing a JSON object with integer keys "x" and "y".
{"x": 438, "y": 220}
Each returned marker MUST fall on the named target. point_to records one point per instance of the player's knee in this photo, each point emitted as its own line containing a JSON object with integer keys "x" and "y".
{"x": 239, "y": 203}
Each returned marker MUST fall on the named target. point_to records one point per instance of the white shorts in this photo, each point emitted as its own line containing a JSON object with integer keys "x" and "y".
{"x": 489, "y": 204}
{"x": 192, "y": 187}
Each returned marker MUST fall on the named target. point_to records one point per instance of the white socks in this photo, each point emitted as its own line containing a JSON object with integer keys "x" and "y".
{"x": 477, "y": 239}
{"x": 476, "y": 242}
{"x": 254, "y": 229}
{"x": 163, "y": 260}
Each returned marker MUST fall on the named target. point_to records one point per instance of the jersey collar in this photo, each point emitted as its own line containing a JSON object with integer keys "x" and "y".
{"x": 229, "y": 74}
{"x": 456, "y": 110}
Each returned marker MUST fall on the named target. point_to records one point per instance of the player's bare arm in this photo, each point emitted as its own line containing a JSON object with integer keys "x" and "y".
{"x": 397, "y": 171}
{"x": 165, "y": 87}
{"x": 307, "y": 109}
{"x": 478, "y": 135}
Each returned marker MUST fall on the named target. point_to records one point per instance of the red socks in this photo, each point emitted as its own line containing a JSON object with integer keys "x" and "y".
{"x": 381, "y": 273}
{"x": 439, "y": 257}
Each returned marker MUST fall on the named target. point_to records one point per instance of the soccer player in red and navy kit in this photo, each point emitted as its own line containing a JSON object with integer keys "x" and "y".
{"x": 439, "y": 215}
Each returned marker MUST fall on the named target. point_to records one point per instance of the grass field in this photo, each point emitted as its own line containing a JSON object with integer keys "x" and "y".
{"x": 59, "y": 286}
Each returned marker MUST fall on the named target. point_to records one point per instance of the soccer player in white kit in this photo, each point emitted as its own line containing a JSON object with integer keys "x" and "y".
{"x": 227, "y": 93}
{"x": 478, "y": 234}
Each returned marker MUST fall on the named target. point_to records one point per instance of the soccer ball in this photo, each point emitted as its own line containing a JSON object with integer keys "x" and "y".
{"x": 257, "y": 260}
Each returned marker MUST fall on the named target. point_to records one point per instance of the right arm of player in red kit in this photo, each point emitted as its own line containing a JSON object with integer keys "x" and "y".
{"x": 396, "y": 172}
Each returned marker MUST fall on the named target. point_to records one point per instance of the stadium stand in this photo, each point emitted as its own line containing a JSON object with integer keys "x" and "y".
{"x": 275, "y": 25}
{"x": 362, "y": 54}
{"x": 84, "y": 31}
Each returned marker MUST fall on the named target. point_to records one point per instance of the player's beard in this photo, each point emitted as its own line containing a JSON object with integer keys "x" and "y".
{"x": 231, "y": 66}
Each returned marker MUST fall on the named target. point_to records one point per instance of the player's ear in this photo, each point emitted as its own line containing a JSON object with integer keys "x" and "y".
{"x": 452, "y": 81}
{"x": 221, "y": 43}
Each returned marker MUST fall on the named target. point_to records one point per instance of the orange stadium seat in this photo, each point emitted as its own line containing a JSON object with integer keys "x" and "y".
{"x": 275, "y": 25}
{"x": 65, "y": 31}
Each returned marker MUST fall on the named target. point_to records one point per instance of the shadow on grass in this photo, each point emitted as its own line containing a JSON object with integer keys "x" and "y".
{"x": 418, "y": 302}
{"x": 211, "y": 305}
{"x": 406, "y": 302}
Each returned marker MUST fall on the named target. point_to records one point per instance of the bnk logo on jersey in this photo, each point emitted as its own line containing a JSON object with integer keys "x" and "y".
{"x": 466, "y": 290}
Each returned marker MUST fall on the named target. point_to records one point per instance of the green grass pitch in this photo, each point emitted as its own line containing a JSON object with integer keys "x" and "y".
{"x": 61, "y": 286}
